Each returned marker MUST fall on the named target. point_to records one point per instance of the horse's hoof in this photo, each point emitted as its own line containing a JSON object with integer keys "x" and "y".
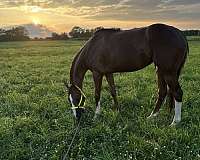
{"x": 152, "y": 115}
{"x": 174, "y": 123}
{"x": 95, "y": 116}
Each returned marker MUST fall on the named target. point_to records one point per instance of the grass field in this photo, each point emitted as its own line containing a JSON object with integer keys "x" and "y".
{"x": 36, "y": 120}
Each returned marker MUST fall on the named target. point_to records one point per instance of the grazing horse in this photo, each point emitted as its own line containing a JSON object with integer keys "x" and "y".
{"x": 113, "y": 50}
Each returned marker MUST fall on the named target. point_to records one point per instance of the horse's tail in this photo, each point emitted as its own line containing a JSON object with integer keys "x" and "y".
{"x": 186, "y": 53}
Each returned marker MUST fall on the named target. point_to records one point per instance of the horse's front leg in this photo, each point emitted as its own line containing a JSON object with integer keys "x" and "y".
{"x": 98, "y": 83}
{"x": 110, "y": 80}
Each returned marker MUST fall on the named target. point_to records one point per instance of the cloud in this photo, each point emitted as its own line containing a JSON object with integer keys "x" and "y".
{"x": 58, "y": 3}
{"x": 115, "y": 9}
{"x": 151, "y": 10}
{"x": 181, "y": 2}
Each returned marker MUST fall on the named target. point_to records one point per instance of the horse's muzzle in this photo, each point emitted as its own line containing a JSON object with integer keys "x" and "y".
{"x": 79, "y": 113}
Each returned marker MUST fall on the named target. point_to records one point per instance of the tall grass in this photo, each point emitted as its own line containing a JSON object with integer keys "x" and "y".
{"x": 36, "y": 120}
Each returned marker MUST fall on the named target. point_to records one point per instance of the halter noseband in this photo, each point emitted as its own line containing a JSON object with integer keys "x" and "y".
{"x": 80, "y": 105}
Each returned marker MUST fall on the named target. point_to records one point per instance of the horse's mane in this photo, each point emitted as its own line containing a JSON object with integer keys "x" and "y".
{"x": 75, "y": 59}
{"x": 73, "y": 64}
{"x": 110, "y": 30}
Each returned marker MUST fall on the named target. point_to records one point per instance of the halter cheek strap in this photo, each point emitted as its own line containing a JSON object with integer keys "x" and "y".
{"x": 79, "y": 104}
{"x": 80, "y": 91}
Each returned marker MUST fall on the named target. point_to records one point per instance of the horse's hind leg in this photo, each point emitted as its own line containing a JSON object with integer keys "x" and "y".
{"x": 172, "y": 82}
{"x": 171, "y": 100}
{"x": 110, "y": 80}
{"x": 162, "y": 91}
{"x": 98, "y": 83}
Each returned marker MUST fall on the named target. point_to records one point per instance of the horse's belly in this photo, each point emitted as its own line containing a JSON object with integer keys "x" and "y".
{"x": 130, "y": 67}
{"x": 130, "y": 64}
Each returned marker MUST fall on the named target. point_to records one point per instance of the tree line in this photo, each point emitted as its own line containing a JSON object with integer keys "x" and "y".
{"x": 76, "y": 33}
{"x": 14, "y": 34}
{"x": 191, "y": 32}
{"x": 21, "y": 34}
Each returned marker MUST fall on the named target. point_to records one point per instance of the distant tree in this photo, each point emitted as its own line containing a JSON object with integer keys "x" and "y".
{"x": 78, "y": 32}
{"x": 87, "y": 33}
{"x": 64, "y": 36}
{"x": 56, "y": 36}
{"x": 17, "y": 34}
{"x": 2, "y": 31}
{"x": 14, "y": 34}
{"x": 98, "y": 28}
{"x": 191, "y": 32}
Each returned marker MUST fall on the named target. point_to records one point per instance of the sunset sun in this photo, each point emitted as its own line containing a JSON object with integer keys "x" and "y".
{"x": 35, "y": 21}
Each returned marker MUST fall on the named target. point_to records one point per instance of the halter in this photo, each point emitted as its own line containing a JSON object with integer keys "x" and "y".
{"x": 80, "y": 105}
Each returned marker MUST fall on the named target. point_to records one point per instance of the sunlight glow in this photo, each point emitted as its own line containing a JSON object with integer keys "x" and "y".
{"x": 35, "y": 21}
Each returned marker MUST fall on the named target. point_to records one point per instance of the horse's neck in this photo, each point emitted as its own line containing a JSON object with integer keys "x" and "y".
{"x": 77, "y": 72}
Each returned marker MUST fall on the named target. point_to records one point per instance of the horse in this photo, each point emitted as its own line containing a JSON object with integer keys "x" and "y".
{"x": 110, "y": 51}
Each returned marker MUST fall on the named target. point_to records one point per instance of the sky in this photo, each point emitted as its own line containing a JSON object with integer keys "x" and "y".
{"x": 62, "y": 15}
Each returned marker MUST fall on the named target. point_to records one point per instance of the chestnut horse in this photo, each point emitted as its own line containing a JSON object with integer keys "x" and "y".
{"x": 113, "y": 50}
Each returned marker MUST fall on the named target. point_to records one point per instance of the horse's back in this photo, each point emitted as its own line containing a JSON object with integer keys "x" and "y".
{"x": 119, "y": 50}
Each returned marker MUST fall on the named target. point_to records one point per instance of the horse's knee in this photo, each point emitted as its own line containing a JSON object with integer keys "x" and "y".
{"x": 97, "y": 98}
{"x": 162, "y": 93}
{"x": 178, "y": 94}
{"x": 174, "y": 87}
{"x": 171, "y": 100}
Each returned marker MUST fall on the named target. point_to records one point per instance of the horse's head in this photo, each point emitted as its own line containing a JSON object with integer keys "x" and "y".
{"x": 77, "y": 99}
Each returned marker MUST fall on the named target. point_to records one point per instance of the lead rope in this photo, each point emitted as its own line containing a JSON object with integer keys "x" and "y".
{"x": 77, "y": 128}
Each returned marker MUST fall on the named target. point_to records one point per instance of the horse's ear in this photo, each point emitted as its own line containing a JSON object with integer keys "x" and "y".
{"x": 66, "y": 85}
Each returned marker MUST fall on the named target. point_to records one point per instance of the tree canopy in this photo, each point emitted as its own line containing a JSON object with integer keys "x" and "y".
{"x": 14, "y": 34}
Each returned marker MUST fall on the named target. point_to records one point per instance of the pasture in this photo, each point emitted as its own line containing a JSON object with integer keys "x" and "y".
{"x": 36, "y": 120}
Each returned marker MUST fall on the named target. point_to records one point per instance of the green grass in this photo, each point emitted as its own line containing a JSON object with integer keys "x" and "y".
{"x": 193, "y": 38}
{"x": 36, "y": 120}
